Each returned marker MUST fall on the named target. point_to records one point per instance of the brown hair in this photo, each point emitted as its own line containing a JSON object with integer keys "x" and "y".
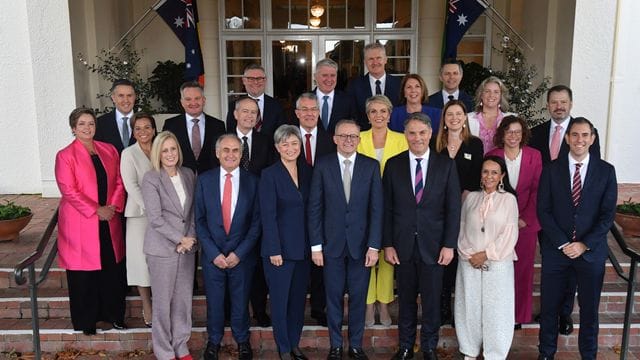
{"x": 498, "y": 138}
{"x": 443, "y": 132}
{"x": 424, "y": 97}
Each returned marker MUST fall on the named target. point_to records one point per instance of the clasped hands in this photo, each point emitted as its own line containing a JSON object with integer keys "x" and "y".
{"x": 226, "y": 262}
{"x": 186, "y": 244}
{"x": 106, "y": 212}
{"x": 574, "y": 250}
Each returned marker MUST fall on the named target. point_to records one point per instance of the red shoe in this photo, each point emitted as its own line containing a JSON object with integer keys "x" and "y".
{"x": 186, "y": 357}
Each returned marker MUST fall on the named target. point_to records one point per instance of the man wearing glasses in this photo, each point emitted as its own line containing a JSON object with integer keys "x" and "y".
{"x": 345, "y": 231}
{"x": 271, "y": 113}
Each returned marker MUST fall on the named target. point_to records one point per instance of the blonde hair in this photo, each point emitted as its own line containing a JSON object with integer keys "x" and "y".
{"x": 504, "y": 93}
{"x": 156, "y": 149}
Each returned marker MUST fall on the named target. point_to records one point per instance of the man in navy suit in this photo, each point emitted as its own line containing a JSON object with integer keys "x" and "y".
{"x": 576, "y": 206}
{"x": 345, "y": 227}
{"x": 272, "y": 115}
{"x": 228, "y": 226}
{"x": 335, "y": 105}
{"x": 375, "y": 82}
{"x": 196, "y": 131}
{"x": 115, "y": 127}
{"x": 548, "y": 138}
{"x": 421, "y": 223}
{"x": 451, "y": 76}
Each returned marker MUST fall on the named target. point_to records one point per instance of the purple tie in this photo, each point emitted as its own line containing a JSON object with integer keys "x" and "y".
{"x": 419, "y": 185}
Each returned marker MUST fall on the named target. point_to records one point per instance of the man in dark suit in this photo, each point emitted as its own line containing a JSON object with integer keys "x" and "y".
{"x": 345, "y": 227}
{"x": 335, "y": 105}
{"x": 421, "y": 222}
{"x": 257, "y": 154}
{"x": 196, "y": 131}
{"x": 375, "y": 82}
{"x": 451, "y": 76}
{"x": 114, "y": 127}
{"x": 548, "y": 139}
{"x": 228, "y": 226}
{"x": 315, "y": 143}
{"x": 271, "y": 113}
{"x": 576, "y": 206}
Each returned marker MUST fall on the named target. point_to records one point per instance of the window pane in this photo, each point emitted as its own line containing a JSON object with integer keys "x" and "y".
{"x": 234, "y": 85}
{"x": 237, "y": 66}
{"x": 242, "y": 48}
{"x": 349, "y": 56}
{"x": 393, "y": 14}
{"x": 402, "y": 14}
{"x": 242, "y": 14}
{"x": 355, "y": 12}
{"x": 240, "y": 53}
{"x": 300, "y": 15}
{"x": 398, "y": 66}
{"x": 280, "y": 14}
{"x": 398, "y": 55}
{"x": 291, "y": 70}
{"x": 337, "y": 14}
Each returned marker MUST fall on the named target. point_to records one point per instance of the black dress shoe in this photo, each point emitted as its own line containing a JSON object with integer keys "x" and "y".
{"x": 297, "y": 354}
{"x": 321, "y": 318}
{"x": 285, "y": 356}
{"x": 262, "y": 320}
{"x": 119, "y": 325}
{"x": 517, "y": 327}
{"x": 358, "y": 354}
{"x": 89, "y": 332}
{"x": 403, "y": 354}
{"x": 430, "y": 355}
{"x": 211, "y": 353}
{"x": 537, "y": 318}
{"x": 335, "y": 353}
{"x": 244, "y": 351}
{"x": 565, "y": 326}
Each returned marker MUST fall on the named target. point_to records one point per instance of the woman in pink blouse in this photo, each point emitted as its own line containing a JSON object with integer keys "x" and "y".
{"x": 484, "y": 300}
{"x": 492, "y": 105}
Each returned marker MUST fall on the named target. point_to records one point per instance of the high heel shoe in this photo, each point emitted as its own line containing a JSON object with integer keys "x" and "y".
{"x": 369, "y": 317}
{"x": 144, "y": 318}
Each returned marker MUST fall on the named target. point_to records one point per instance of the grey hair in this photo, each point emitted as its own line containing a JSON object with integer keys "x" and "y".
{"x": 418, "y": 116}
{"x": 307, "y": 95}
{"x": 228, "y": 136}
{"x": 374, "y": 46}
{"x": 327, "y": 62}
{"x": 284, "y": 132}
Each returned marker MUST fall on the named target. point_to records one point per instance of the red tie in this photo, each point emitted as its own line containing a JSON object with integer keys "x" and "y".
{"x": 307, "y": 149}
{"x": 226, "y": 204}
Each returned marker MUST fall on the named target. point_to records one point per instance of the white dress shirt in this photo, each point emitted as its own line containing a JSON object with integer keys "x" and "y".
{"x": 260, "y": 100}
{"x": 235, "y": 185}
{"x": 552, "y": 129}
{"x": 313, "y": 140}
{"x": 513, "y": 168}
{"x": 372, "y": 83}
{"x": 321, "y": 96}
{"x": 189, "y": 123}
{"x": 119, "y": 120}
{"x": 249, "y": 136}
{"x": 445, "y": 96}
{"x": 424, "y": 163}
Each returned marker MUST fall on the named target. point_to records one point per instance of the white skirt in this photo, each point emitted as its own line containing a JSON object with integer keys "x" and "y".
{"x": 137, "y": 269}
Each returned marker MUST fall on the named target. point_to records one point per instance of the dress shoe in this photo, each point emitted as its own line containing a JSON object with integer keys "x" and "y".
{"x": 297, "y": 354}
{"x": 565, "y": 326}
{"x": 285, "y": 356}
{"x": 537, "y": 318}
{"x": 430, "y": 354}
{"x": 186, "y": 357}
{"x": 321, "y": 318}
{"x": 542, "y": 357}
{"x": 517, "y": 327}
{"x": 119, "y": 325}
{"x": 89, "y": 332}
{"x": 403, "y": 354}
{"x": 244, "y": 351}
{"x": 262, "y": 320}
{"x": 335, "y": 353}
{"x": 211, "y": 353}
{"x": 358, "y": 354}
{"x": 144, "y": 318}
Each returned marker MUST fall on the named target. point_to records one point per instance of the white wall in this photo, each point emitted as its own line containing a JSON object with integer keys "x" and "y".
{"x": 36, "y": 95}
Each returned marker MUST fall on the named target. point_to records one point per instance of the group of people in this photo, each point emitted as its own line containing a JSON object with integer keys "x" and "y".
{"x": 358, "y": 186}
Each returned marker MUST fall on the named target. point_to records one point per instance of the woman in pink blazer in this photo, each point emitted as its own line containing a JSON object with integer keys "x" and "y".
{"x": 524, "y": 166}
{"x": 90, "y": 239}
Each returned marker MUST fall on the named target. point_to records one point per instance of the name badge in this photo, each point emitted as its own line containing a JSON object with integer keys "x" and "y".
{"x": 467, "y": 156}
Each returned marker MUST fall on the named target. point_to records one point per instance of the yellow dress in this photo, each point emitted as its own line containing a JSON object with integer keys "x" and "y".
{"x": 381, "y": 281}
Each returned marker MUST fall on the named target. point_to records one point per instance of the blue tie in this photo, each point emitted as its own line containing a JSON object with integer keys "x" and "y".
{"x": 418, "y": 189}
{"x": 325, "y": 112}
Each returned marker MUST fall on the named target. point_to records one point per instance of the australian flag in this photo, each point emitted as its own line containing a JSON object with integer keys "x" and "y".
{"x": 461, "y": 14}
{"x": 182, "y": 18}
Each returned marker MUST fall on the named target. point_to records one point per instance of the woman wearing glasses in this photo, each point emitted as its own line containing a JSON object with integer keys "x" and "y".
{"x": 484, "y": 285}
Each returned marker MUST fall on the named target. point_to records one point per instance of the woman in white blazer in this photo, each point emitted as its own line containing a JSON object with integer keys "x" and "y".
{"x": 134, "y": 163}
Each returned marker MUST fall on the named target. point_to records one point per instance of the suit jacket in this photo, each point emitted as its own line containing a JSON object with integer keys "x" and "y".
{"x": 394, "y": 145}
{"x": 169, "y": 222}
{"x": 541, "y": 140}
{"x": 262, "y": 152}
{"x": 324, "y": 145}
{"x": 592, "y": 218}
{"x": 272, "y": 117}
{"x": 283, "y": 209}
{"x": 107, "y": 131}
{"x": 431, "y": 224}
{"x": 360, "y": 90}
{"x": 343, "y": 227}
{"x": 78, "y": 236}
{"x": 245, "y": 224}
{"x": 527, "y": 187}
{"x": 468, "y": 162}
{"x": 212, "y": 130}
{"x": 342, "y": 108}
{"x": 133, "y": 165}
{"x": 436, "y": 100}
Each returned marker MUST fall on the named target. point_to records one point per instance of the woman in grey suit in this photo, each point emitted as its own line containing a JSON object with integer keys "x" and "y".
{"x": 169, "y": 245}
{"x": 134, "y": 163}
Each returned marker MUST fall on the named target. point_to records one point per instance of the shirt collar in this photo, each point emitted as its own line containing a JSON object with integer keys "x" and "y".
{"x": 584, "y": 162}
{"x": 341, "y": 158}
{"x": 240, "y": 134}
{"x": 120, "y": 115}
{"x": 413, "y": 157}
{"x": 313, "y": 132}
{"x": 456, "y": 94}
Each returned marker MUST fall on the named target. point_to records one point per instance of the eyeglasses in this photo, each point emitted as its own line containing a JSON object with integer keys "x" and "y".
{"x": 255, "y": 79}
{"x": 513, "y": 132}
{"x": 306, "y": 109}
{"x": 352, "y": 137}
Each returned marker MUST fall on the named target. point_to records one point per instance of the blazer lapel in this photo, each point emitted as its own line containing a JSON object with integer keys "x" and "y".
{"x": 188, "y": 190}
{"x": 405, "y": 177}
{"x": 336, "y": 172}
{"x": 171, "y": 191}
{"x": 427, "y": 180}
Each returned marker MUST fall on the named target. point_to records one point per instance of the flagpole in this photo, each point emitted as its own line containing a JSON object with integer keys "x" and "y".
{"x": 150, "y": 9}
{"x": 504, "y": 22}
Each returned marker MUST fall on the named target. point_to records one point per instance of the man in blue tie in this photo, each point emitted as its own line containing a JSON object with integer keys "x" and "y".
{"x": 335, "y": 105}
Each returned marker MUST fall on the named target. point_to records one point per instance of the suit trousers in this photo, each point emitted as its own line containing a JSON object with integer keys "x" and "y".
{"x": 238, "y": 282}
{"x": 317, "y": 296}
{"x": 172, "y": 286}
{"x": 259, "y": 290}
{"x": 523, "y": 275}
{"x": 340, "y": 274}
{"x": 558, "y": 271}
{"x": 413, "y": 277}
{"x": 287, "y": 294}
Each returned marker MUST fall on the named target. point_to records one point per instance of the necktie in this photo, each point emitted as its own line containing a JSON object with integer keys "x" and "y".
{"x": 346, "y": 179}
{"x": 125, "y": 132}
{"x": 555, "y": 142}
{"x": 451, "y": 97}
{"x": 325, "y": 112}
{"x": 307, "y": 149}
{"x": 244, "y": 161}
{"x": 226, "y": 203}
{"x": 576, "y": 189}
{"x": 378, "y": 88}
{"x": 419, "y": 185}
{"x": 196, "y": 144}
{"x": 258, "y": 126}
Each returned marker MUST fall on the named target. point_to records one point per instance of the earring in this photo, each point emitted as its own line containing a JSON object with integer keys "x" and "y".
{"x": 464, "y": 126}
{"x": 480, "y": 103}
{"x": 445, "y": 127}
{"x": 501, "y": 186}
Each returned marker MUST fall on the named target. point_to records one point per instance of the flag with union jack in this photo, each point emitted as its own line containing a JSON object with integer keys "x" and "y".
{"x": 461, "y": 14}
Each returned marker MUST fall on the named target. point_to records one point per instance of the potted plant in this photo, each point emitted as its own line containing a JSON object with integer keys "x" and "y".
{"x": 628, "y": 217}
{"x": 13, "y": 218}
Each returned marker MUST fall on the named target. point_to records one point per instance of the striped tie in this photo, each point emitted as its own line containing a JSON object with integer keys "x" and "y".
{"x": 419, "y": 185}
{"x": 576, "y": 189}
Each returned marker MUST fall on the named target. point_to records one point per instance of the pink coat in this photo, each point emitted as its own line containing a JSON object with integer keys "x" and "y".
{"x": 78, "y": 238}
